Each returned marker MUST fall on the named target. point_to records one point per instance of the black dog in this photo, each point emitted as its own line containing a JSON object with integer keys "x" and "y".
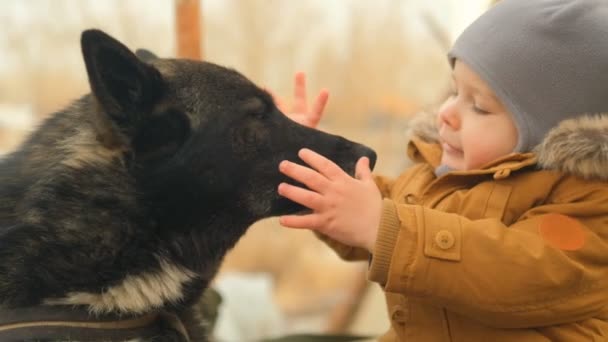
{"x": 116, "y": 213}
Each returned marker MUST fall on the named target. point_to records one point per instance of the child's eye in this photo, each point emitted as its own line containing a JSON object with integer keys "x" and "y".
{"x": 479, "y": 110}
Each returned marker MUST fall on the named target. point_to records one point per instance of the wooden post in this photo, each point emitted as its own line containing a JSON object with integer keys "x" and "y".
{"x": 188, "y": 29}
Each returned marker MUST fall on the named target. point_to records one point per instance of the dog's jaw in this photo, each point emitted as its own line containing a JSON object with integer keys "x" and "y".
{"x": 136, "y": 293}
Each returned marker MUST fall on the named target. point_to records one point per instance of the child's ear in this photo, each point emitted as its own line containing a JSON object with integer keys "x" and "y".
{"x": 124, "y": 86}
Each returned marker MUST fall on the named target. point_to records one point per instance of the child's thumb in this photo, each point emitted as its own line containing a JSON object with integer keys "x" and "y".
{"x": 362, "y": 170}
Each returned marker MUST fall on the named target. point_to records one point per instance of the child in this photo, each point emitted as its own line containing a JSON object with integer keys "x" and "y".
{"x": 499, "y": 232}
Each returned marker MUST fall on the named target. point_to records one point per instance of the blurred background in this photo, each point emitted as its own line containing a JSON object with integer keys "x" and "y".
{"x": 382, "y": 61}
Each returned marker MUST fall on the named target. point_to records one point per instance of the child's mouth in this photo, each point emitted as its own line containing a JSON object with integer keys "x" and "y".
{"x": 450, "y": 149}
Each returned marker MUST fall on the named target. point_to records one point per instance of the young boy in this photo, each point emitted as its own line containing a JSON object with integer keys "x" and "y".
{"x": 499, "y": 232}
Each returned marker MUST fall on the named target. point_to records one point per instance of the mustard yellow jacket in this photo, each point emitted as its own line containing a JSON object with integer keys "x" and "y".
{"x": 514, "y": 251}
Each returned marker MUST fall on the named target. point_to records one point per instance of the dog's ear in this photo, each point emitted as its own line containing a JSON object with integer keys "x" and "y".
{"x": 161, "y": 135}
{"x": 124, "y": 86}
{"x": 145, "y": 55}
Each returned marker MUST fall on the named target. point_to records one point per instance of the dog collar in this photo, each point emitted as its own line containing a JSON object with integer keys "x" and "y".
{"x": 77, "y": 324}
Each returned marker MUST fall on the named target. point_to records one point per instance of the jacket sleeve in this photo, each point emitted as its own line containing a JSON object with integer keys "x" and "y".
{"x": 384, "y": 184}
{"x": 346, "y": 252}
{"x": 549, "y": 267}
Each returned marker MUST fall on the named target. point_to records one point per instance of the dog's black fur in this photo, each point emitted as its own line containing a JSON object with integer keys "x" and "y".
{"x": 127, "y": 200}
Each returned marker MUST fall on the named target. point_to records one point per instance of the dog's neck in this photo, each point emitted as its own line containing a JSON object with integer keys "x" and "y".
{"x": 160, "y": 265}
{"x": 136, "y": 293}
{"x": 139, "y": 262}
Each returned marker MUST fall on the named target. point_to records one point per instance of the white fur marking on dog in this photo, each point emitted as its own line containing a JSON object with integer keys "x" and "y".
{"x": 136, "y": 294}
{"x": 84, "y": 149}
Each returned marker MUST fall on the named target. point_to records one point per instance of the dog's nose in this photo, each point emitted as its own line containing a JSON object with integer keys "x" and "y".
{"x": 371, "y": 155}
{"x": 364, "y": 151}
{"x": 358, "y": 150}
{"x": 372, "y": 158}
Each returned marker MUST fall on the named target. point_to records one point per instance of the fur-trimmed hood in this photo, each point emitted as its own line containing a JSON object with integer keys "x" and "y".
{"x": 576, "y": 146}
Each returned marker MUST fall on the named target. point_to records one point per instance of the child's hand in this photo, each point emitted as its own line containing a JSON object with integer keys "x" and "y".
{"x": 344, "y": 208}
{"x": 300, "y": 111}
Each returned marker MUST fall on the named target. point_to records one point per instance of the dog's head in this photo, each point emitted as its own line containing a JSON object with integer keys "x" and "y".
{"x": 198, "y": 137}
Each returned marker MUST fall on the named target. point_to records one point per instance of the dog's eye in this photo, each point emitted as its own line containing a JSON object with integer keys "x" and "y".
{"x": 255, "y": 107}
{"x": 258, "y": 114}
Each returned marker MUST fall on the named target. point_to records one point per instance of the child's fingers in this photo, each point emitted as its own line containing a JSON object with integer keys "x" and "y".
{"x": 319, "y": 107}
{"x": 310, "y": 221}
{"x": 362, "y": 170}
{"x": 318, "y": 162}
{"x": 307, "y": 198}
{"x": 300, "y": 104}
{"x": 307, "y": 176}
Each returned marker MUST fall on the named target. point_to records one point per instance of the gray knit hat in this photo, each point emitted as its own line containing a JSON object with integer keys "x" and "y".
{"x": 547, "y": 60}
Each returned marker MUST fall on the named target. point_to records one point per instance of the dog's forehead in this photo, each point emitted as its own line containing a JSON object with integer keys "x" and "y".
{"x": 203, "y": 88}
{"x": 190, "y": 73}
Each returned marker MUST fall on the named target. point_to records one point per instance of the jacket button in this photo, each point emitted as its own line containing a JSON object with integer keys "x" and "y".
{"x": 399, "y": 314}
{"x": 410, "y": 199}
{"x": 444, "y": 239}
{"x": 502, "y": 174}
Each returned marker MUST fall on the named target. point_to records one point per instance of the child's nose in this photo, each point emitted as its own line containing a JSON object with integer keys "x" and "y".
{"x": 448, "y": 113}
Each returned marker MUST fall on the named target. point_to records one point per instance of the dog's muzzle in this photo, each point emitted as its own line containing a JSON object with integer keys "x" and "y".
{"x": 77, "y": 324}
